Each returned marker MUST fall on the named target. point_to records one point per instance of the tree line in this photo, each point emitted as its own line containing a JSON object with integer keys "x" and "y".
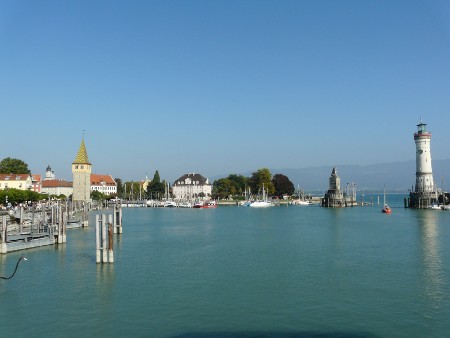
{"x": 233, "y": 185}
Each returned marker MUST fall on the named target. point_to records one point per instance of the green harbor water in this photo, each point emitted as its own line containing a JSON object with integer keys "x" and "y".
{"x": 285, "y": 271}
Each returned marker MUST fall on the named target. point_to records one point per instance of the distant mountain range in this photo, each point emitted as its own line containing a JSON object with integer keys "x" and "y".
{"x": 397, "y": 176}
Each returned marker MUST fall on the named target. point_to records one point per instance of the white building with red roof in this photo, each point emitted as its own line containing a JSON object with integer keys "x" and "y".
{"x": 104, "y": 184}
{"x": 21, "y": 181}
{"x": 57, "y": 187}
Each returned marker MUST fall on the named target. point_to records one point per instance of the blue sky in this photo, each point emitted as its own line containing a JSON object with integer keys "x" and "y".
{"x": 221, "y": 87}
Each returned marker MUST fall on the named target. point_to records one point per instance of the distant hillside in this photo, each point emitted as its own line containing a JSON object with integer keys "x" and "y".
{"x": 396, "y": 176}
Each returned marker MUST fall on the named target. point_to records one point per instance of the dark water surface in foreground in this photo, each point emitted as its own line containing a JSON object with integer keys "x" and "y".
{"x": 239, "y": 272}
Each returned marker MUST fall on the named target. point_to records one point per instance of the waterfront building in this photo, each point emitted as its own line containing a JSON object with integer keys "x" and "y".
{"x": 190, "y": 186}
{"x": 104, "y": 184}
{"x": 16, "y": 181}
{"x": 334, "y": 197}
{"x": 81, "y": 169}
{"x": 51, "y": 186}
{"x": 30, "y": 182}
{"x": 57, "y": 187}
{"x": 425, "y": 193}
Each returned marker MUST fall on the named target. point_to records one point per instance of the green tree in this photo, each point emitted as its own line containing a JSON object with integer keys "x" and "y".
{"x": 239, "y": 183}
{"x": 13, "y": 166}
{"x": 221, "y": 188}
{"x": 261, "y": 177}
{"x": 97, "y": 195}
{"x": 119, "y": 187}
{"x": 131, "y": 190}
{"x": 229, "y": 186}
{"x": 156, "y": 188}
{"x": 282, "y": 185}
{"x": 16, "y": 196}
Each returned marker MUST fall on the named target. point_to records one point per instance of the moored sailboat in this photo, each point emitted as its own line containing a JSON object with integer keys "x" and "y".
{"x": 261, "y": 203}
{"x": 386, "y": 208}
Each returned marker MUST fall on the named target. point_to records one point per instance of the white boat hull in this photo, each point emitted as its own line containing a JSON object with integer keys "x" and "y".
{"x": 260, "y": 204}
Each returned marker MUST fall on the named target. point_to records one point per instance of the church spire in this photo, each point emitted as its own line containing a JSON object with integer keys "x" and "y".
{"x": 82, "y": 156}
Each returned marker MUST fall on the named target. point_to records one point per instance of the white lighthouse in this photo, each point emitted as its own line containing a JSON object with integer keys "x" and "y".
{"x": 424, "y": 172}
{"x": 424, "y": 193}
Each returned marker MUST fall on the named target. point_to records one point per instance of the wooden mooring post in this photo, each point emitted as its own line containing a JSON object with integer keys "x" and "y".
{"x": 61, "y": 225}
{"x": 110, "y": 240}
{"x": 21, "y": 220}
{"x": 103, "y": 233}
{"x": 85, "y": 217}
{"x": 117, "y": 219}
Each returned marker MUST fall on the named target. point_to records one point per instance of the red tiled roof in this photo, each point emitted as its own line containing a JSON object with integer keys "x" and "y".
{"x": 36, "y": 177}
{"x": 97, "y": 179}
{"x": 14, "y": 177}
{"x": 56, "y": 183}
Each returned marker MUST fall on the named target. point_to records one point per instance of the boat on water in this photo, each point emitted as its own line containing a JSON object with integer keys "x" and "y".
{"x": 170, "y": 204}
{"x": 185, "y": 205}
{"x": 73, "y": 224}
{"x": 386, "y": 208}
{"x": 301, "y": 199}
{"x": 301, "y": 202}
{"x": 263, "y": 202}
{"x": 205, "y": 204}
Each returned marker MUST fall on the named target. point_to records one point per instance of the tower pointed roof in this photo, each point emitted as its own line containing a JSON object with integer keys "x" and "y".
{"x": 82, "y": 156}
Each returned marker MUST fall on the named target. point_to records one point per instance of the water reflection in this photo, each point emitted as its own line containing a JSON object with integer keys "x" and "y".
{"x": 105, "y": 284}
{"x": 433, "y": 277}
{"x": 3, "y": 265}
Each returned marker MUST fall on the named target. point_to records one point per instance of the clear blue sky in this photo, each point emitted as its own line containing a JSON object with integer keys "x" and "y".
{"x": 220, "y": 87}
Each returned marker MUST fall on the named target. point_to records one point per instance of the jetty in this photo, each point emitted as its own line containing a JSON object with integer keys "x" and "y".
{"x": 39, "y": 225}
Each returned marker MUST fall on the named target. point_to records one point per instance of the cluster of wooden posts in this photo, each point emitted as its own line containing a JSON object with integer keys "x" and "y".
{"x": 25, "y": 229}
{"x": 105, "y": 226}
{"x": 50, "y": 228}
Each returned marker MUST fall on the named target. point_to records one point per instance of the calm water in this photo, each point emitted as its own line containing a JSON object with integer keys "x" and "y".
{"x": 236, "y": 271}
